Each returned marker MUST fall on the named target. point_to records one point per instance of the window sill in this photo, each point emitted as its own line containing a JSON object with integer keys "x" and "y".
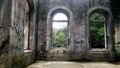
{"x": 27, "y": 51}
{"x": 102, "y": 49}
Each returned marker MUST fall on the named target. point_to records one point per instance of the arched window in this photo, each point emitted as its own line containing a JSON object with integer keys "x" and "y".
{"x": 97, "y": 30}
{"x": 60, "y": 30}
{"x": 26, "y": 28}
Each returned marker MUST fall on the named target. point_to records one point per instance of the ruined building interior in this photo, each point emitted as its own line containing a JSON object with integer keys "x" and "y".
{"x": 58, "y": 30}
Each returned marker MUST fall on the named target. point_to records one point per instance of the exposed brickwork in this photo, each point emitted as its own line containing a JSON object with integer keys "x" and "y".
{"x": 58, "y": 54}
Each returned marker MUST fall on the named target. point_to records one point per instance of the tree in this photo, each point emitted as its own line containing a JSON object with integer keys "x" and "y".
{"x": 60, "y": 37}
{"x": 97, "y": 31}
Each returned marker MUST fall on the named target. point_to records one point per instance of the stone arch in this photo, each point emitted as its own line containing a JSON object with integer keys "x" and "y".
{"x": 108, "y": 26}
{"x": 50, "y": 15}
{"x": 107, "y": 10}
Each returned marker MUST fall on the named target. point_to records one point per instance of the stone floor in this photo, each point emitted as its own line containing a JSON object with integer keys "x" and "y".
{"x": 63, "y": 64}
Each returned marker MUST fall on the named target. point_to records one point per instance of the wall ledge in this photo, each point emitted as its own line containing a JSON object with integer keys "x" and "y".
{"x": 27, "y": 51}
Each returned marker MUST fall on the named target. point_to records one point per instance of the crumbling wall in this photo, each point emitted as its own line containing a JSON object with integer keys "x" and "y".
{"x": 17, "y": 34}
{"x": 12, "y": 20}
{"x": 78, "y": 40}
{"x": 19, "y": 58}
{"x": 117, "y": 38}
{"x": 116, "y": 20}
{"x": 5, "y": 18}
{"x": 41, "y": 25}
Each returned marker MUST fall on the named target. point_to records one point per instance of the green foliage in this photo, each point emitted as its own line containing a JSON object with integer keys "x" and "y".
{"x": 97, "y": 37}
{"x": 97, "y": 16}
{"x": 118, "y": 54}
{"x": 60, "y": 37}
{"x": 97, "y": 31}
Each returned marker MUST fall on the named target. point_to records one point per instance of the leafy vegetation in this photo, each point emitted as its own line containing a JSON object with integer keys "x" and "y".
{"x": 97, "y": 31}
{"x": 60, "y": 37}
{"x": 97, "y": 36}
{"x": 97, "y": 16}
{"x": 97, "y": 39}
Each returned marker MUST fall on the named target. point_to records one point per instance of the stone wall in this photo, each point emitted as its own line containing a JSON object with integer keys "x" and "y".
{"x": 78, "y": 25}
{"x": 115, "y": 10}
{"x": 12, "y": 24}
{"x": 117, "y": 38}
{"x": 5, "y": 10}
{"x": 19, "y": 58}
{"x": 60, "y": 54}
{"x": 41, "y": 48}
{"x": 12, "y": 20}
{"x": 29, "y": 57}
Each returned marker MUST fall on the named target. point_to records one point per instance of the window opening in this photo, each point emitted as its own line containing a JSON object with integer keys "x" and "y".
{"x": 60, "y": 30}
{"x": 26, "y": 29}
{"x": 97, "y": 30}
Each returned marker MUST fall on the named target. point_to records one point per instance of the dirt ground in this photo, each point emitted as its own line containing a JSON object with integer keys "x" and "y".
{"x": 65, "y": 64}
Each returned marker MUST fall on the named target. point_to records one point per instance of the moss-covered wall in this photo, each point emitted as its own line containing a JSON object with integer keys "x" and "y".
{"x": 5, "y": 18}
